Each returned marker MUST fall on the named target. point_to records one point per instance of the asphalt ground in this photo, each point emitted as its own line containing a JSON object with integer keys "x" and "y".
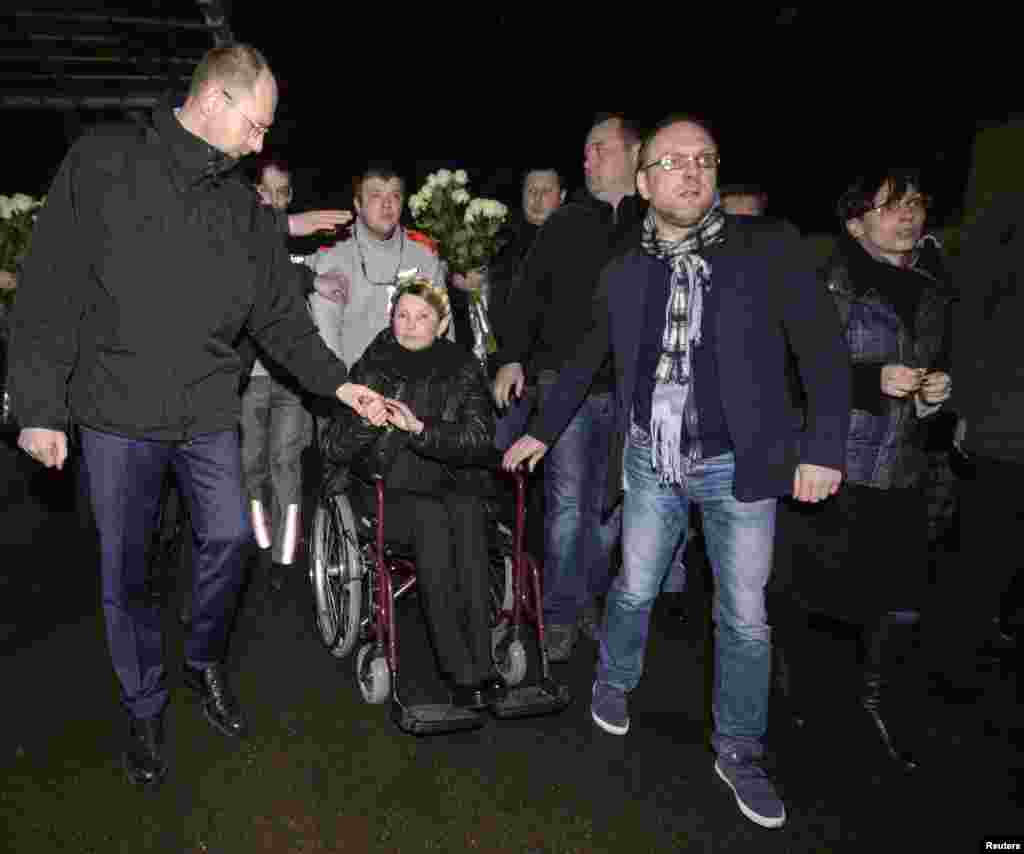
{"x": 324, "y": 772}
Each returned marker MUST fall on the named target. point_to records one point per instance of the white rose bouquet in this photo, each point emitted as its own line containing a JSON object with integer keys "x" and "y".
{"x": 466, "y": 230}
{"x": 17, "y": 216}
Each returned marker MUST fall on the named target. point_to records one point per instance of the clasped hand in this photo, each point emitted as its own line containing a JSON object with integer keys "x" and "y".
{"x": 402, "y": 417}
{"x": 365, "y": 402}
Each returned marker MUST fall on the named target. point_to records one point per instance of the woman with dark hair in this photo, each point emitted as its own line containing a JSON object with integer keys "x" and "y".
{"x": 862, "y": 556}
{"x": 440, "y": 434}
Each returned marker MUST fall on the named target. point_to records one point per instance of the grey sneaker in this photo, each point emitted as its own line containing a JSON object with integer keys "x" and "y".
{"x": 559, "y": 640}
{"x": 609, "y": 709}
{"x": 755, "y": 793}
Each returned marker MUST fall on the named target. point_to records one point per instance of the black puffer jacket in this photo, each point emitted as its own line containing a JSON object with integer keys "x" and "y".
{"x": 456, "y": 448}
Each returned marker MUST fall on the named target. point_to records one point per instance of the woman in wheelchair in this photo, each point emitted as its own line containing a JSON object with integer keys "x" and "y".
{"x": 440, "y": 423}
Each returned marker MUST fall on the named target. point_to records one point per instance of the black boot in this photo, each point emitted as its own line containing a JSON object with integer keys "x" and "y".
{"x": 143, "y": 756}
{"x": 871, "y": 701}
{"x": 875, "y": 640}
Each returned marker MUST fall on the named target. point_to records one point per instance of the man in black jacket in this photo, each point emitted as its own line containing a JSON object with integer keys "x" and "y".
{"x": 148, "y": 260}
{"x": 542, "y": 327}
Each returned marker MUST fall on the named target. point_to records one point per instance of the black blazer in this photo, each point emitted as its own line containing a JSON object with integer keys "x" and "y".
{"x": 771, "y": 303}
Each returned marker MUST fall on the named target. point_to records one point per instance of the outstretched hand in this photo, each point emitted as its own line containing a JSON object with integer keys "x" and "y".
{"x": 310, "y": 222}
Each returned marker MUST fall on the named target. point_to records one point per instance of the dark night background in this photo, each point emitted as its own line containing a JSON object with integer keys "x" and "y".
{"x": 495, "y": 92}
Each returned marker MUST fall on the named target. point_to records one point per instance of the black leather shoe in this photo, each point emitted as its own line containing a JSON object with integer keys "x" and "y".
{"x": 468, "y": 697}
{"x": 493, "y": 690}
{"x": 143, "y": 756}
{"x": 220, "y": 707}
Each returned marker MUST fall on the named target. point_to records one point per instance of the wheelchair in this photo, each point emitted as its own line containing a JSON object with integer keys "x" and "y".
{"x": 357, "y": 576}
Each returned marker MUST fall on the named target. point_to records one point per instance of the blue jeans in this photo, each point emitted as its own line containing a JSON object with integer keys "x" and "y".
{"x": 577, "y": 546}
{"x": 739, "y": 537}
{"x": 125, "y": 478}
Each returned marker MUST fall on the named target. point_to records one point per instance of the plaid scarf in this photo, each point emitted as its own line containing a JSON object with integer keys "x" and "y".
{"x": 673, "y": 399}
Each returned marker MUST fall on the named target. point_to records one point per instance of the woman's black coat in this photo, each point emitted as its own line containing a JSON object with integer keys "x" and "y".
{"x": 450, "y": 398}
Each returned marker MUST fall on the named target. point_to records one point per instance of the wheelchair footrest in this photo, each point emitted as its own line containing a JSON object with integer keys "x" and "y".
{"x": 435, "y": 719}
{"x": 530, "y": 700}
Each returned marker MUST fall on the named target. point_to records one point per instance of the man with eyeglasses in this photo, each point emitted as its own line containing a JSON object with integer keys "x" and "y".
{"x": 149, "y": 259}
{"x": 542, "y": 327}
{"x": 696, "y": 320}
{"x": 376, "y": 251}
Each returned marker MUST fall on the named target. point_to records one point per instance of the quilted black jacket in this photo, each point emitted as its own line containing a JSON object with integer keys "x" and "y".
{"x": 455, "y": 449}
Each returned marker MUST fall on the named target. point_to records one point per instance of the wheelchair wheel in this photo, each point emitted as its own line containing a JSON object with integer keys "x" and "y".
{"x": 510, "y": 661}
{"x": 501, "y": 590}
{"x": 336, "y": 575}
{"x": 509, "y": 655}
{"x": 373, "y": 675}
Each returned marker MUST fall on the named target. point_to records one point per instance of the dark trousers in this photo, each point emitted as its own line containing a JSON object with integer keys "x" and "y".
{"x": 449, "y": 539}
{"x": 124, "y": 478}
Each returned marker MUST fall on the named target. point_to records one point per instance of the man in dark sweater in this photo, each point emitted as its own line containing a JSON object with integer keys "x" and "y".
{"x": 148, "y": 260}
{"x": 697, "y": 320}
{"x": 542, "y": 326}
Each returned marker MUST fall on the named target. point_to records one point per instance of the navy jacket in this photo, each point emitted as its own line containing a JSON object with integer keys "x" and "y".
{"x": 772, "y": 308}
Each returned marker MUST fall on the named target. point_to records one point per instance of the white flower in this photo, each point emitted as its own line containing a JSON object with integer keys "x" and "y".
{"x": 22, "y": 203}
{"x": 406, "y": 276}
{"x": 461, "y": 177}
{"x": 417, "y": 203}
{"x": 442, "y": 177}
{"x": 460, "y": 197}
{"x": 6, "y": 209}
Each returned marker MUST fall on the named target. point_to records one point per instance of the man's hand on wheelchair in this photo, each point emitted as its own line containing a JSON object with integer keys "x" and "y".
{"x": 365, "y": 402}
{"x": 526, "y": 450}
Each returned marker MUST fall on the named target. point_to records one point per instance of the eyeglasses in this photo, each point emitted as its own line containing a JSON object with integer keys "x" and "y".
{"x": 706, "y": 160}
{"x": 915, "y": 204}
{"x": 256, "y": 130}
